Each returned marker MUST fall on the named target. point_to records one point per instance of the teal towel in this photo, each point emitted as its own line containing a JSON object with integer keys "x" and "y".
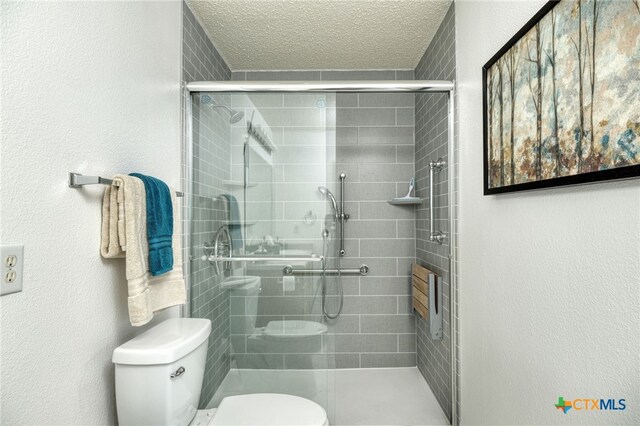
{"x": 159, "y": 224}
{"x": 235, "y": 229}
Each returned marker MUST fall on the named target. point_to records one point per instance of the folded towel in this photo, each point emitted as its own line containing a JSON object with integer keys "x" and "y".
{"x": 124, "y": 232}
{"x": 235, "y": 229}
{"x": 110, "y": 242}
{"x": 159, "y": 224}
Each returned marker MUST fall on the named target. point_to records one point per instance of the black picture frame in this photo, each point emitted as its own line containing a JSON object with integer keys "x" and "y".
{"x": 626, "y": 172}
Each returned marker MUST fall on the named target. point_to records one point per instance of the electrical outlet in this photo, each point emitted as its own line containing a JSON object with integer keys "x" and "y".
{"x": 12, "y": 265}
{"x": 10, "y": 261}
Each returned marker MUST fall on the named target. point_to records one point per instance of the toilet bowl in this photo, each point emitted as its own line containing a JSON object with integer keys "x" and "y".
{"x": 294, "y": 336}
{"x": 287, "y": 336}
{"x": 268, "y": 409}
{"x": 159, "y": 376}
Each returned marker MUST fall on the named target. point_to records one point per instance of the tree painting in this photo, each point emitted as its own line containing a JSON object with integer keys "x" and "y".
{"x": 534, "y": 79}
{"x": 512, "y": 63}
{"x": 551, "y": 60}
{"x": 564, "y": 99}
{"x": 501, "y": 121}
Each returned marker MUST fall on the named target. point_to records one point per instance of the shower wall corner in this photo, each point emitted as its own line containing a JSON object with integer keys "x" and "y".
{"x": 205, "y": 298}
{"x": 436, "y": 122}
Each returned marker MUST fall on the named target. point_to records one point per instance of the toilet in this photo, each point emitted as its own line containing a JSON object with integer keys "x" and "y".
{"x": 288, "y": 336}
{"x": 159, "y": 376}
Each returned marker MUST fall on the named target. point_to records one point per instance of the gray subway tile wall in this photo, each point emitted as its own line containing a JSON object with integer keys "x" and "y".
{"x": 211, "y": 147}
{"x": 374, "y": 146}
{"x": 431, "y": 127}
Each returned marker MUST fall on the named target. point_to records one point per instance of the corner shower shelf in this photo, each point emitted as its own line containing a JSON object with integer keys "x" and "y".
{"x": 406, "y": 201}
{"x": 237, "y": 184}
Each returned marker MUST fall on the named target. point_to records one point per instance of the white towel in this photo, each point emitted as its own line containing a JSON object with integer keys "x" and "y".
{"x": 124, "y": 234}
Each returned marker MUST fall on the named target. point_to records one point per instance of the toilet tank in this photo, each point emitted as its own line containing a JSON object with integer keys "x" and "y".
{"x": 245, "y": 291}
{"x": 159, "y": 373}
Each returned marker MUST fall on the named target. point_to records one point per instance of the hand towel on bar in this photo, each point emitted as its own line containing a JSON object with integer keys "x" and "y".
{"x": 233, "y": 214}
{"x": 159, "y": 224}
{"x": 111, "y": 245}
{"x": 147, "y": 294}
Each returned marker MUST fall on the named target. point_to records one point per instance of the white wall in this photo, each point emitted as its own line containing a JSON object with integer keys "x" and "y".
{"x": 91, "y": 87}
{"x": 550, "y": 291}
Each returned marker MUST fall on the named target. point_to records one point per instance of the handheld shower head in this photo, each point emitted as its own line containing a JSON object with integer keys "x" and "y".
{"x": 325, "y": 191}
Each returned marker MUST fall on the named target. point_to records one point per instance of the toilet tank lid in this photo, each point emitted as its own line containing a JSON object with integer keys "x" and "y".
{"x": 165, "y": 343}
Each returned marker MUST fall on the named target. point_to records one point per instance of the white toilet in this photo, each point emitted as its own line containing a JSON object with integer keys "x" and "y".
{"x": 159, "y": 377}
{"x": 288, "y": 336}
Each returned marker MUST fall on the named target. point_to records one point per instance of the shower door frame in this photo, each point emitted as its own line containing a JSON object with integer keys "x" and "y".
{"x": 351, "y": 86}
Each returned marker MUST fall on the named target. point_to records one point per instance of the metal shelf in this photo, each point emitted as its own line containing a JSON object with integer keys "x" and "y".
{"x": 406, "y": 201}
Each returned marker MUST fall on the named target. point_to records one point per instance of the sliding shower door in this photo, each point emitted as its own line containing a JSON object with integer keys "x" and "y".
{"x": 260, "y": 228}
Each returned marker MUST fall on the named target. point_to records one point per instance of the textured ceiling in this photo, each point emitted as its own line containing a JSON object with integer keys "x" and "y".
{"x": 320, "y": 34}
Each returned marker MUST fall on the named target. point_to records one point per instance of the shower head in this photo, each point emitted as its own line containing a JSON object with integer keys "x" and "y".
{"x": 325, "y": 191}
{"x": 235, "y": 114}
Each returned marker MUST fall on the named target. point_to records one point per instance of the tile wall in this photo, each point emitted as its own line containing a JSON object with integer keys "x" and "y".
{"x": 438, "y": 63}
{"x": 211, "y": 149}
{"x": 373, "y": 143}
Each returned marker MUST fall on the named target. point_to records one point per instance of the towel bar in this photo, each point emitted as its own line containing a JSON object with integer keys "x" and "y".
{"x": 77, "y": 180}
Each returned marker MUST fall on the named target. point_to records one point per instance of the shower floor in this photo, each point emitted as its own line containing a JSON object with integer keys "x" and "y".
{"x": 366, "y": 396}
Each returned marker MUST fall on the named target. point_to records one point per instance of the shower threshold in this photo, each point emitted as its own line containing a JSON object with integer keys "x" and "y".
{"x": 363, "y": 396}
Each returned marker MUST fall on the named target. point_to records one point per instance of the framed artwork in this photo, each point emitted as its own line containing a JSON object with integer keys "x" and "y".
{"x": 561, "y": 100}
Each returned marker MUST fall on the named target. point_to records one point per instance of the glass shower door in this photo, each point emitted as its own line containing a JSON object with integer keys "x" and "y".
{"x": 269, "y": 331}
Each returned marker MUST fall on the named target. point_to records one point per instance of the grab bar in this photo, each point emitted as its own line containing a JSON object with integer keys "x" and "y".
{"x": 220, "y": 253}
{"x": 362, "y": 270}
{"x": 343, "y": 216}
{"x": 312, "y": 258}
{"x": 437, "y": 165}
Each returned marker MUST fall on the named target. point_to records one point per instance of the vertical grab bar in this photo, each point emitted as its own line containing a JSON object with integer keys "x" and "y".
{"x": 343, "y": 215}
{"x": 434, "y": 166}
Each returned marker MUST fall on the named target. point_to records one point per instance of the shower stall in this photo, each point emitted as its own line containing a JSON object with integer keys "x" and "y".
{"x": 267, "y": 220}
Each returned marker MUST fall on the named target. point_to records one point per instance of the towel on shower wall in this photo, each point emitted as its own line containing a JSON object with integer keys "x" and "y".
{"x": 159, "y": 224}
{"x": 235, "y": 228}
{"x": 147, "y": 294}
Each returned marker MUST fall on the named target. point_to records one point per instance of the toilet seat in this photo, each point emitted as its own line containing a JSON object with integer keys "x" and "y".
{"x": 294, "y": 329}
{"x": 268, "y": 409}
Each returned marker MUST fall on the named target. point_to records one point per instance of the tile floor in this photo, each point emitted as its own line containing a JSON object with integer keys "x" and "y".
{"x": 367, "y": 396}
